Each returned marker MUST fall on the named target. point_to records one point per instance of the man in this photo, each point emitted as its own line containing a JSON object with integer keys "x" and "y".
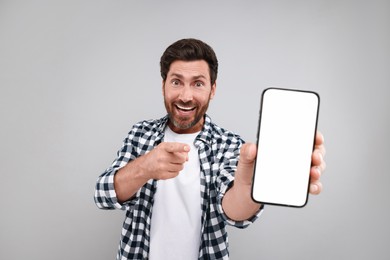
{"x": 182, "y": 178}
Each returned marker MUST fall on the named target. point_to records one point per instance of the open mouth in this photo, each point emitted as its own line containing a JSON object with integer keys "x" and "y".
{"x": 185, "y": 108}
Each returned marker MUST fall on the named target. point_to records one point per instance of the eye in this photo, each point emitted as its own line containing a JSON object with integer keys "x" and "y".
{"x": 175, "y": 82}
{"x": 199, "y": 84}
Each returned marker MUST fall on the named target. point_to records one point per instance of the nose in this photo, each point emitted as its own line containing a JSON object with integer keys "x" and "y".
{"x": 186, "y": 94}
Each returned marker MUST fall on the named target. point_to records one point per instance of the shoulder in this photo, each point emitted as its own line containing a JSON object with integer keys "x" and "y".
{"x": 222, "y": 135}
{"x": 146, "y": 127}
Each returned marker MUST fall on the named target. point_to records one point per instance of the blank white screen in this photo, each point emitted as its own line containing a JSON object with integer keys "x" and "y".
{"x": 285, "y": 144}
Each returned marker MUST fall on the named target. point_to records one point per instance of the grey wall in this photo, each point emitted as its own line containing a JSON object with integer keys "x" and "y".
{"x": 75, "y": 76}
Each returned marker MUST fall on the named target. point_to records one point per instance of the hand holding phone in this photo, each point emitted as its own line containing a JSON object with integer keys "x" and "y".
{"x": 286, "y": 136}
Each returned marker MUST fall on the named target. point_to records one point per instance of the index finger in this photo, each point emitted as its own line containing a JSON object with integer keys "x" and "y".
{"x": 319, "y": 143}
{"x": 173, "y": 147}
{"x": 319, "y": 138}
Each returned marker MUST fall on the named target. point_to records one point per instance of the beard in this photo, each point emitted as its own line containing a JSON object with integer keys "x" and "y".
{"x": 185, "y": 122}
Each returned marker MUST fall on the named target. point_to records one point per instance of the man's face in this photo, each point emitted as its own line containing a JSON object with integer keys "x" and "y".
{"x": 187, "y": 92}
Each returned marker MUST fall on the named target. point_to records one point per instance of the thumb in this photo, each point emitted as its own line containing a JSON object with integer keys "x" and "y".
{"x": 246, "y": 163}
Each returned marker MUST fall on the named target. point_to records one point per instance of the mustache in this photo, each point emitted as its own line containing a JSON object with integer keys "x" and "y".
{"x": 185, "y": 104}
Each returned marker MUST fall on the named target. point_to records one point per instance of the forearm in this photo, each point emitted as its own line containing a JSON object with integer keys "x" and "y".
{"x": 129, "y": 179}
{"x": 238, "y": 204}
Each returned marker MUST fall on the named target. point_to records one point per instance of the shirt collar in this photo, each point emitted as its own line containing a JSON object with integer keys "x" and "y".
{"x": 206, "y": 134}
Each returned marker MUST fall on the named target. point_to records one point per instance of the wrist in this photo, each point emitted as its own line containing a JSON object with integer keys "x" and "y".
{"x": 140, "y": 169}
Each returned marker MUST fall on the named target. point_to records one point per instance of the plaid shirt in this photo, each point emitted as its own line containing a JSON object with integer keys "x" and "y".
{"x": 218, "y": 154}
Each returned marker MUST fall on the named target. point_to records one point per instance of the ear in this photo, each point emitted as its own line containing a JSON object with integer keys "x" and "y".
{"x": 213, "y": 89}
{"x": 162, "y": 87}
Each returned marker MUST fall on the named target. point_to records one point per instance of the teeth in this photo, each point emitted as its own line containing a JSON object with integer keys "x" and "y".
{"x": 185, "y": 108}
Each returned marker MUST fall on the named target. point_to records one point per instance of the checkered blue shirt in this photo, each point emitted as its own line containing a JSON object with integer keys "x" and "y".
{"x": 218, "y": 154}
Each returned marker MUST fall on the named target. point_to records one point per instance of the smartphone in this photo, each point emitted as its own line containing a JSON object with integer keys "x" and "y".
{"x": 285, "y": 142}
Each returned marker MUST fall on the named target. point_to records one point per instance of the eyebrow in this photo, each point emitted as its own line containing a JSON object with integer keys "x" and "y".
{"x": 193, "y": 78}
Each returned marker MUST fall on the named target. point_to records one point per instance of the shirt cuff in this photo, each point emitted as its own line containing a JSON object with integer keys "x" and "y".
{"x": 238, "y": 224}
{"x": 111, "y": 196}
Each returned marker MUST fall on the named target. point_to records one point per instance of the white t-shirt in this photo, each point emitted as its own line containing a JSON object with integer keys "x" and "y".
{"x": 176, "y": 218}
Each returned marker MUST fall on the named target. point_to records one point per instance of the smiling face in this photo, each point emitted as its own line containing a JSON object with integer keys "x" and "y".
{"x": 187, "y": 91}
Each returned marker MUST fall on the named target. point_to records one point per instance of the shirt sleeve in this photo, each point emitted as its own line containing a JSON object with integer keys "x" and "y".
{"x": 105, "y": 196}
{"x": 225, "y": 180}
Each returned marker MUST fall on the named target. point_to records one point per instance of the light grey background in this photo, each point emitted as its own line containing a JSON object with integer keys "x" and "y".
{"x": 76, "y": 75}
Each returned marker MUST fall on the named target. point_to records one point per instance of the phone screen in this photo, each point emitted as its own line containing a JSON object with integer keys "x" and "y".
{"x": 285, "y": 142}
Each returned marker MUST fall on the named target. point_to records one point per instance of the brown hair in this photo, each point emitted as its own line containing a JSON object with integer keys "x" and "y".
{"x": 189, "y": 50}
